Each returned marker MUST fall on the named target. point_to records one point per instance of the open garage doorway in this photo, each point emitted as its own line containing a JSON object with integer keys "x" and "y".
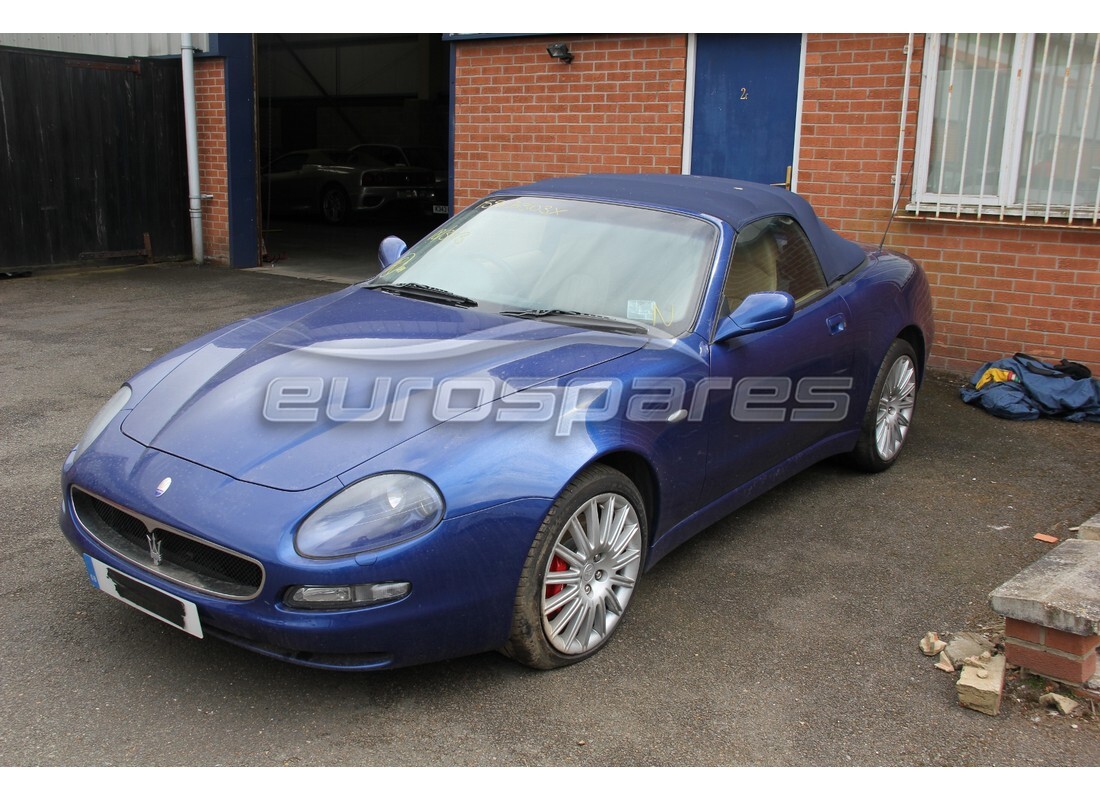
{"x": 353, "y": 138}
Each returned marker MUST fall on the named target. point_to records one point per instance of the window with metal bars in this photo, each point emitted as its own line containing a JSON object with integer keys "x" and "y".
{"x": 1009, "y": 126}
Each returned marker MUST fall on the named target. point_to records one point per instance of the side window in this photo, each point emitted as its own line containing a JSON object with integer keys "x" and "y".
{"x": 289, "y": 163}
{"x": 799, "y": 270}
{"x": 772, "y": 254}
{"x": 389, "y": 156}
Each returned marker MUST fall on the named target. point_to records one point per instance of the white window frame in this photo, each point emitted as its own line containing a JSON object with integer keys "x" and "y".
{"x": 997, "y": 200}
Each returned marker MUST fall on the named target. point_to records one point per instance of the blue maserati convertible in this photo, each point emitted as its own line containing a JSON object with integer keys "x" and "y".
{"x": 487, "y": 445}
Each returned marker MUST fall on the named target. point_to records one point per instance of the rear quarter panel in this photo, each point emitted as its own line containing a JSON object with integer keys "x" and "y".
{"x": 889, "y": 298}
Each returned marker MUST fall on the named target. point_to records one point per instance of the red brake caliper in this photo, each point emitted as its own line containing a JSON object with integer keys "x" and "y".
{"x": 556, "y": 565}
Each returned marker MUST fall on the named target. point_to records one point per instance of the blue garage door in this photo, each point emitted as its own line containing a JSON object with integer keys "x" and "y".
{"x": 746, "y": 99}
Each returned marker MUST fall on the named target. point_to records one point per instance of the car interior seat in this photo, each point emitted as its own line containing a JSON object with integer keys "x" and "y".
{"x": 752, "y": 269}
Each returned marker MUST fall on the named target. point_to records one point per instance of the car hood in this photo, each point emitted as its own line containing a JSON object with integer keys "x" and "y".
{"x": 289, "y": 401}
{"x": 406, "y": 176}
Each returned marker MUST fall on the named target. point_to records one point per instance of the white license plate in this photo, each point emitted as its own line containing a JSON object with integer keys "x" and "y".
{"x": 168, "y": 608}
{"x": 441, "y": 209}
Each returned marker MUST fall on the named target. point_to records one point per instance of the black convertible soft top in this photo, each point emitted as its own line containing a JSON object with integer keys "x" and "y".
{"x": 735, "y": 202}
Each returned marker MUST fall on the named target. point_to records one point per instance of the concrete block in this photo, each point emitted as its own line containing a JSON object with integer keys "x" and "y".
{"x": 1065, "y": 705}
{"x": 1094, "y": 682}
{"x": 979, "y": 688}
{"x": 1061, "y": 590}
{"x": 966, "y": 645}
{"x": 1090, "y": 530}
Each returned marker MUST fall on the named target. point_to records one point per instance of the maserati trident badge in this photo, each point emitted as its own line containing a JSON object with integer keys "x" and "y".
{"x": 162, "y": 487}
{"x": 155, "y": 545}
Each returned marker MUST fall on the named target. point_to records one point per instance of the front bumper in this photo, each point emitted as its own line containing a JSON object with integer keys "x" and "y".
{"x": 373, "y": 198}
{"x": 463, "y": 574}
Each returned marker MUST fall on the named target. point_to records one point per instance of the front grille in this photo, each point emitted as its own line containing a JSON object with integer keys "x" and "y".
{"x": 172, "y": 554}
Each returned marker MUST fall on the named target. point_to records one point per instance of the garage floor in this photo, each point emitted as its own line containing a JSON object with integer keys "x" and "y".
{"x": 303, "y": 248}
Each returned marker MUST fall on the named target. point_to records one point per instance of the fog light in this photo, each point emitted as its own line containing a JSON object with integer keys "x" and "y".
{"x": 354, "y": 596}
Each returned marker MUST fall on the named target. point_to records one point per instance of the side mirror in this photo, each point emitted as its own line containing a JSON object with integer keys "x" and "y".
{"x": 391, "y": 249}
{"x": 758, "y": 312}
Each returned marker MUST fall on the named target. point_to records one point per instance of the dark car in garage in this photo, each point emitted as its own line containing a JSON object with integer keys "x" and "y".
{"x": 336, "y": 184}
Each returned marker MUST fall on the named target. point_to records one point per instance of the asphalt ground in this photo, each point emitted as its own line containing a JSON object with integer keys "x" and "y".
{"x": 785, "y": 635}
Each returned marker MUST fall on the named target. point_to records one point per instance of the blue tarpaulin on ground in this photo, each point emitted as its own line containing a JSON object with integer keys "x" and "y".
{"x": 1035, "y": 388}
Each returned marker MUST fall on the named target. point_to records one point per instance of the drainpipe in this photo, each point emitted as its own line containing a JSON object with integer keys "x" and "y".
{"x": 902, "y": 125}
{"x": 187, "y": 51}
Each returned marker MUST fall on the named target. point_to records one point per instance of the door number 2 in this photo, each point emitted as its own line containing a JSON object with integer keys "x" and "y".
{"x": 744, "y": 93}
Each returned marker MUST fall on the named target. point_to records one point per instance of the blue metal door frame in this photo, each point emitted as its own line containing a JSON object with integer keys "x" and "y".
{"x": 745, "y": 104}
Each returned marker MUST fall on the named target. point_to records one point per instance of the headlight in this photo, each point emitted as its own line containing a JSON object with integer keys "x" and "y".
{"x": 376, "y": 512}
{"x": 101, "y": 420}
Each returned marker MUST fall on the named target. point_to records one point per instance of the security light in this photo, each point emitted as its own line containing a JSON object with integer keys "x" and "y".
{"x": 560, "y": 51}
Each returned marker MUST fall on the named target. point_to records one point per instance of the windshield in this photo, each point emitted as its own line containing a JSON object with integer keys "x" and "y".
{"x": 532, "y": 253}
{"x": 426, "y": 157}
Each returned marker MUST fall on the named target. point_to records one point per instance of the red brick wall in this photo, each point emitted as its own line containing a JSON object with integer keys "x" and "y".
{"x": 997, "y": 288}
{"x": 521, "y": 115}
{"x": 1055, "y": 653}
{"x": 213, "y": 175}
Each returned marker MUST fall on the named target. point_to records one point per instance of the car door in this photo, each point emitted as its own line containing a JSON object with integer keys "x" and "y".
{"x": 286, "y": 185}
{"x": 776, "y": 393}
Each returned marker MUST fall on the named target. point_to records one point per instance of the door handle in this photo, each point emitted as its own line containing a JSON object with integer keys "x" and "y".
{"x": 837, "y": 323}
{"x": 787, "y": 183}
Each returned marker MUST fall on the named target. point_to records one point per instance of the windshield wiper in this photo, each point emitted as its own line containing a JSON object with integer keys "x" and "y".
{"x": 578, "y": 318}
{"x": 421, "y": 291}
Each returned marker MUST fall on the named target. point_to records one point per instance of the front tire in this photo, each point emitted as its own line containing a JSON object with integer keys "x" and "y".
{"x": 889, "y": 414}
{"x": 581, "y": 571}
{"x": 334, "y": 205}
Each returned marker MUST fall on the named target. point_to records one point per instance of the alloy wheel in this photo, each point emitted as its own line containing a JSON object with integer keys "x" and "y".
{"x": 895, "y": 408}
{"x": 591, "y": 574}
